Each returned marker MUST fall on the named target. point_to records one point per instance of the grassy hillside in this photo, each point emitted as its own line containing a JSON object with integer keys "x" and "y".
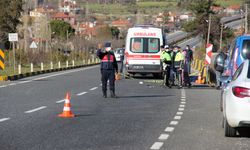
{"x": 226, "y": 3}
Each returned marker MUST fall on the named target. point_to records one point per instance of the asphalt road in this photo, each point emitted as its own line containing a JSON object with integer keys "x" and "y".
{"x": 145, "y": 116}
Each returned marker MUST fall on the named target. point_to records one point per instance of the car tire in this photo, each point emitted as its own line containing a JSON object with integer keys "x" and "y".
{"x": 229, "y": 131}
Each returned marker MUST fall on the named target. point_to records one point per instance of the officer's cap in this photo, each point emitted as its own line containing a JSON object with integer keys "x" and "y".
{"x": 166, "y": 47}
{"x": 107, "y": 44}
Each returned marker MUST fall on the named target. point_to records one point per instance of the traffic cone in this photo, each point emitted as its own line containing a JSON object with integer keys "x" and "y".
{"x": 199, "y": 81}
{"x": 66, "y": 109}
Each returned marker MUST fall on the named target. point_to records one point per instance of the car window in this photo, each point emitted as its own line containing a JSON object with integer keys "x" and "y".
{"x": 145, "y": 45}
{"x": 245, "y": 48}
{"x": 238, "y": 72}
{"x": 248, "y": 71}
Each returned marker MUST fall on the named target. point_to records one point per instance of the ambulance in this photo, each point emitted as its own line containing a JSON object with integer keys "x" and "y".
{"x": 142, "y": 51}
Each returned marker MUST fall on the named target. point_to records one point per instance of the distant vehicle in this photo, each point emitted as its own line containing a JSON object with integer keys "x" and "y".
{"x": 142, "y": 52}
{"x": 118, "y": 52}
{"x": 236, "y": 101}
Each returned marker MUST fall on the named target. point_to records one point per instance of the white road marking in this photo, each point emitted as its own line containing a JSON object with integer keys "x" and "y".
{"x": 157, "y": 145}
{"x": 183, "y": 99}
{"x": 60, "y": 101}
{"x": 183, "y": 102}
{"x": 93, "y": 88}
{"x": 4, "y": 119}
{"x": 163, "y": 137}
{"x": 3, "y": 86}
{"x": 49, "y": 76}
{"x": 169, "y": 129}
{"x": 182, "y": 106}
{"x": 179, "y": 113}
{"x": 174, "y": 122}
{"x": 177, "y": 117}
{"x": 79, "y": 94}
{"x": 22, "y": 82}
{"x": 36, "y": 109}
{"x": 12, "y": 84}
{"x": 181, "y": 109}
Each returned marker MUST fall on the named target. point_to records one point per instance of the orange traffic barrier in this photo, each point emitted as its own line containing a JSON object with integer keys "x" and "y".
{"x": 66, "y": 109}
{"x": 199, "y": 81}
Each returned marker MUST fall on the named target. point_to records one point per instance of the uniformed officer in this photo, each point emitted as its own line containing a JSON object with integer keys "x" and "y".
{"x": 178, "y": 63}
{"x": 166, "y": 63}
{"x": 108, "y": 69}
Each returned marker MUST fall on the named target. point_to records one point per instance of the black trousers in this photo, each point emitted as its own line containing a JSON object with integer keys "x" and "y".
{"x": 167, "y": 73}
{"x": 108, "y": 75}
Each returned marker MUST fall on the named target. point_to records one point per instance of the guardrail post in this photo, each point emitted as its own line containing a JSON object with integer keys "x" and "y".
{"x": 19, "y": 69}
{"x": 83, "y": 61}
{"x": 59, "y": 64}
{"x": 31, "y": 67}
{"x": 67, "y": 64}
{"x": 73, "y": 63}
{"x": 51, "y": 65}
{"x": 41, "y": 66}
{"x": 88, "y": 61}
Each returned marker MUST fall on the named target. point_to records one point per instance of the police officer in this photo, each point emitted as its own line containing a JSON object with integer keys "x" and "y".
{"x": 108, "y": 69}
{"x": 178, "y": 59}
{"x": 166, "y": 63}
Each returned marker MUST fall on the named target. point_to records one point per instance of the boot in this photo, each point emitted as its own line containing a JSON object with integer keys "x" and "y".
{"x": 112, "y": 94}
{"x": 104, "y": 94}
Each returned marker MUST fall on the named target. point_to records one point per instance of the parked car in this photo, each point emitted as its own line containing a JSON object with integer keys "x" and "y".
{"x": 238, "y": 51}
{"x": 237, "y": 54}
{"x": 236, "y": 100}
{"x": 118, "y": 52}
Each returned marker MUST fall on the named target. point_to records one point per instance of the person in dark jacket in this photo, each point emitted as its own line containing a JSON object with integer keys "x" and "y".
{"x": 108, "y": 69}
{"x": 219, "y": 67}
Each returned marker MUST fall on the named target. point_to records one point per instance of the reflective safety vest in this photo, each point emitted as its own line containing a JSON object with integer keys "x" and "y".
{"x": 179, "y": 57}
{"x": 165, "y": 56}
{"x": 108, "y": 61}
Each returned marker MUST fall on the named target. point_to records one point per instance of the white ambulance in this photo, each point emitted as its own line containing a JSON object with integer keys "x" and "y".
{"x": 142, "y": 51}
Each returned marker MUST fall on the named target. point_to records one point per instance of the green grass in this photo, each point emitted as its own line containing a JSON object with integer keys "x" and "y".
{"x": 226, "y": 3}
{"x": 156, "y": 4}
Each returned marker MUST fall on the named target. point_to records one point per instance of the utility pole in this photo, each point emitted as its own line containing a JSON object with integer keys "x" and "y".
{"x": 221, "y": 31}
{"x": 209, "y": 24}
{"x": 246, "y": 25}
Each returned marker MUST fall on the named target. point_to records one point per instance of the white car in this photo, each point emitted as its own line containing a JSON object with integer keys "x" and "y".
{"x": 236, "y": 101}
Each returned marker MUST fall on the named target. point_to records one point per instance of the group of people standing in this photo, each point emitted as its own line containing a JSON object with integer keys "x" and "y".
{"x": 176, "y": 65}
{"x": 175, "y": 61}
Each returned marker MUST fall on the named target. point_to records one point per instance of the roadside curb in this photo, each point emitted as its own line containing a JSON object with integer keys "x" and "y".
{"x": 29, "y": 74}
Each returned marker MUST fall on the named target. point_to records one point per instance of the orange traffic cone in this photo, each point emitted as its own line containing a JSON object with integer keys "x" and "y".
{"x": 66, "y": 109}
{"x": 199, "y": 81}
